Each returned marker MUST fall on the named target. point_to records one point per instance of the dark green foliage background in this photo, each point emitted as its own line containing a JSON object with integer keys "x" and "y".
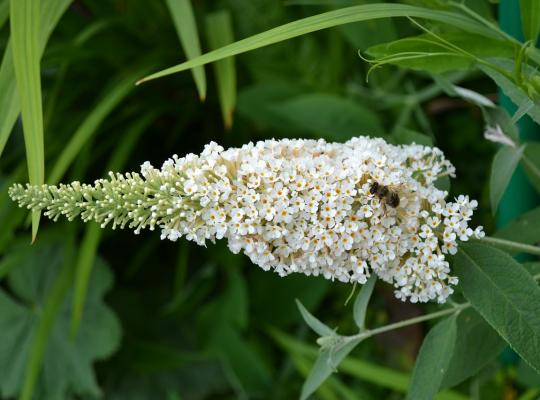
{"x": 201, "y": 323}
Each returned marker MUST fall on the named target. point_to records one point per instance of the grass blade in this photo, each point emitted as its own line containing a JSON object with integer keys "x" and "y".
{"x": 9, "y": 99}
{"x": 4, "y": 12}
{"x": 186, "y": 27}
{"x": 220, "y": 33}
{"x": 92, "y": 122}
{"x": 25, "y": 22}
{"x": 92, "y": 236}
{"x": 328, "y": 20}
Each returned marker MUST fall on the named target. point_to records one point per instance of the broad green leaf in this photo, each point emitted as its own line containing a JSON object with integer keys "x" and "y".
{"x": 505, "y": 294}
{"x": 527, "y": 376}
{"x": 186, "y": 27}
{"x": 477, "y": 343}
{"x": 427, "y": 53}
{"x": 530, "y": 18}
{"x": 113, "y": 96}
{"x": 328, "y": 20}
{"x": 433, "y": 360}
{"x": 219, "y": 30}
{"x": 25, "y": 22}
{"x": 533, "y": 267}
{"x": 524, "y": 229}
{"x": 504, "y": 164}
{"x": 318, "y": 327}
{"x": 362, "y": 300}
{"x": 9, "y": 99}
{"x": 515, "y": 93}
{"x": 326, "y": 363}
{"x": 26, "y": 331}
{"x": 531, "y": 163}
{"x": 333, "y": 117}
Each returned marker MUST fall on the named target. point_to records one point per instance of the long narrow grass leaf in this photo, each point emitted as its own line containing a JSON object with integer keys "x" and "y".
{"x": 328, "y": 20}
{"x": 186, "y": 27}
{"x": 25, "y": 22}
{"x": 9, "y": 99}
{"x": 220, "y": 33}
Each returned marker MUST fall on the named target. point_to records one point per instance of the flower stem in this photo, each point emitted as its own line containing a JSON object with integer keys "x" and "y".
{"x": 407, "y": 322}
{"x": 513, "y": 246}
{"x": 401, "y": 324}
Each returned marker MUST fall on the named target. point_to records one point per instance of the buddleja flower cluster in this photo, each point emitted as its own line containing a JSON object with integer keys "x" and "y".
{"x": 292, "y": 206}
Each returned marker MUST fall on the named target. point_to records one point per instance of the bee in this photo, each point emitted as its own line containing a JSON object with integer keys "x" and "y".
{"x": 385, "y": 194}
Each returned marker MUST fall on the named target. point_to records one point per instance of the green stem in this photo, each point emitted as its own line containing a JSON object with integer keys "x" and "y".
{"x": 513, "y": 246}
{"x": 407, "y": 322}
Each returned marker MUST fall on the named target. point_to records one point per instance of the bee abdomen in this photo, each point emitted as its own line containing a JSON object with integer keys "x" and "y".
{"x": 393, "y": 200}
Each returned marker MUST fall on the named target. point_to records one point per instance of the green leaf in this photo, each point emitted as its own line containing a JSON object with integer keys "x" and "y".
{"x": 426, "y": 53}
{"x": 333, "y": 117}
{"x": 524, "y": 229}
{"x": 505, "y": 294}
{"x": 186, "y": 27}
{"x": 531, "y": 163}
{"x": 9, "y": 99}
{"x": 122, "y": 86}
{"x": 477, "y": 343}
{"x": 466, "y": 94}
{"x": 359, "y": 369}
{"x": 25, "y": 21}
{"x": 362, "y": 300}
{"x": 532, "y": 267}
{"x": 317, "y": 326}
{"x": 433, "y": 360}
{"x": 37, "y": 322}
{"x": 326, "y": 363}
{"x": 503, "y": 167}
{"x": 498, "y": 116}
{"x": 328, "y": 20}
{"x": 220, "y": 33}
{"x": 515, "y": 93}
{"x": 530, "y": 18}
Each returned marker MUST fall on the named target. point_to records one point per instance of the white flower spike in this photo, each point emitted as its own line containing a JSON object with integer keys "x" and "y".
{"x": 340, "y": 210}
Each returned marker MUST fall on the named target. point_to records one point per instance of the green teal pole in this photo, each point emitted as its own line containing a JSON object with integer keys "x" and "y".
{"x": 520, "y": 196}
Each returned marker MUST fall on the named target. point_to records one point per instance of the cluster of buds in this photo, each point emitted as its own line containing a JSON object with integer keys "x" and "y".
{"x": 340, "y": 210}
